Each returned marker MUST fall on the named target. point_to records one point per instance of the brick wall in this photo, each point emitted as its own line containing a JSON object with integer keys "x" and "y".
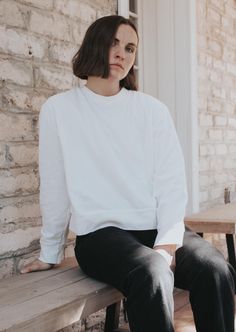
{"x": 216, "y": 31}
{"x": 38, "y": 40}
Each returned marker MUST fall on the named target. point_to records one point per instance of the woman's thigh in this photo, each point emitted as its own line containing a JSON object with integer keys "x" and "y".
{"x": 195, "y": 255}
{"x": 112, "y": 254}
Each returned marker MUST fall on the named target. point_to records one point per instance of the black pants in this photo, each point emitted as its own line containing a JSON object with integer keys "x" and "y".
{"x": 125, "y": 260}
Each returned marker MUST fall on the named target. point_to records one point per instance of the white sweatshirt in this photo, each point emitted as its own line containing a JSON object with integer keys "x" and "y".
{"x": 108, "y": 161}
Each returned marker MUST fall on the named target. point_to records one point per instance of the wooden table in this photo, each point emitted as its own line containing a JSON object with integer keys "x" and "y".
{"x": 220, "y": 219}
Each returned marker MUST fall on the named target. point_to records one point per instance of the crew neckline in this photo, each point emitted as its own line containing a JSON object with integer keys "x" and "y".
{"x": 100, "y": 98}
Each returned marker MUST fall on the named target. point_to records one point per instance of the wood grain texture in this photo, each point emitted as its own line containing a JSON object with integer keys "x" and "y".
{"x": 50, "y": 300}
{"x": 221, "y": 219}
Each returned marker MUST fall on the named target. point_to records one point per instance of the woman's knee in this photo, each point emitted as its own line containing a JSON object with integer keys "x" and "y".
{"x": 216, "y": 272}
{"x": 153, "y": 276}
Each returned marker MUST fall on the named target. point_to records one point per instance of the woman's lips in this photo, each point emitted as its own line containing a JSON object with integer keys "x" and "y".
{"x": 117, "y": 65}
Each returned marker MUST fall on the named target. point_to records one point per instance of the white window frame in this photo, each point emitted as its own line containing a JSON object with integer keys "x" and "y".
{"x": 124, "y": 10}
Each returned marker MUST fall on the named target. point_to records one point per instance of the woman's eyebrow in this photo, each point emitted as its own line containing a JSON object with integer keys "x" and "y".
{"x": 130, "y": 43}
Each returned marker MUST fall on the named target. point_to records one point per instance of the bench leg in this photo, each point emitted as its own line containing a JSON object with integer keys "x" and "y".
{"x": 112, "y": 317}
{"x": 231, "y": 249}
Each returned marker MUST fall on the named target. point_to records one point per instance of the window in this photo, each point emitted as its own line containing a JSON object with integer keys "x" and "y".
{"x": 131, "y": 9}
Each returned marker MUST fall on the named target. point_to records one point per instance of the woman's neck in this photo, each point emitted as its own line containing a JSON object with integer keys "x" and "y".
{"x": 103, "y": 86}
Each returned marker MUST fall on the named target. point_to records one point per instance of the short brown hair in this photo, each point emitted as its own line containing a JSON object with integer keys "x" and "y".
{"x": 92, "y": 57}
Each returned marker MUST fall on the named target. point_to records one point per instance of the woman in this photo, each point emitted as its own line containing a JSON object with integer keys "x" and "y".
{"x": 110, "y": 162}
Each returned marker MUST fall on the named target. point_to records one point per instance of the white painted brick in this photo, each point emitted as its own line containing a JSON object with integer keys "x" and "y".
{"x": 203, "y": 133}
{"x": 26, "y": 100}
{"x": 207, "y": 150}
{"x": 218, "y": 34}
{"x": 230, "y": 10}
{"x": 203, "y": 196}
{"x": 219, "y": 64}
{"x": 21, "y": 43}
{"x": 233, "y": 95}
{"x": 230, "y": 134}
{"x": 231, "y": 68}
{"x": 23, "y": 154}
{"x": 205, "y": 180}
{"x": 19, "y": 239}
{"x": 227, "y": 23}
{"x": 87, "y": 13}
{"x": 201, "y": 10}
{"x": 214, "y": 105}
{"x": 216, "y": 76}
{"x": 44, "y": 4}
{"x": 229, "y": 108}
{"x": 229, "y": 163}
{"x": 215, "y": 134}
{"x": 16, "y": 72}
{"x": 70, "y": 8}
{"x": 14, "y": 213}
{"x": 232, "y": 122}
{"x": 55, "y": 78}
{"x": 78, "y": 31}
{"x": 53, "y": 25}
{"x": 201, "y": 42}
{"x": 220, "y": 120}
{"x": 6, "y": 268}
{"x": 221, "y": 149}
{"x": 12, "y": 14}
{"x": 219, "y": 92}
{"x": 37, "y": 101}
{"x": 203, "y": 164}
{"x": 62, "y": 52}
{"x": 202, "y": 103}
{"x": 216, "y": 165}
{"x": 15, "y": 183}
{"x": 232, "y": 149}
{"x": 213, "y": 16}
{"x": 205, "y": 119}
{"x": 204, "y": 89}
{"x": 16, "y": 127}
{"x": 2, "y": 154}
{"x": 220, "y": 178}
{"x": 17, "y": 99}
{"x": 219, "y": 4}
{"x": 202, "y": 73}
{"x": 216, "y": 193}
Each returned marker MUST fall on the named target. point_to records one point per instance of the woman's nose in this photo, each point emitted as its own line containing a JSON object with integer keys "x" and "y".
{"x": 120, "y": 53}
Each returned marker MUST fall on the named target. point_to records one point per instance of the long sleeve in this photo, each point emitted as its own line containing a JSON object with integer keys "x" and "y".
{"x": 169, "y": 180}
{"x": 54, "y": 200}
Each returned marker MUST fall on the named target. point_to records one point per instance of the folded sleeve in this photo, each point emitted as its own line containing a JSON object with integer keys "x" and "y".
{"x": 54, "y": 200}
{"x": 169, "y": 180}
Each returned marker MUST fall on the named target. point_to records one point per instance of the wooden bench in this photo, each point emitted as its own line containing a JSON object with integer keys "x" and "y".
{"x": 221, "y": 219}
{"x": 50, "y": 300}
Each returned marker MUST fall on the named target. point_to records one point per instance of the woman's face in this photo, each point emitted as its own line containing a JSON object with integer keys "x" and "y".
{"x": 122, "y": 52}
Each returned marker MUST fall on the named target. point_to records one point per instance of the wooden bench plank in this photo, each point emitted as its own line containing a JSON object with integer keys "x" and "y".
{"x": 19, "y": 281}
{"x": 50, "y": 300}
{"x": 43, "y": 286}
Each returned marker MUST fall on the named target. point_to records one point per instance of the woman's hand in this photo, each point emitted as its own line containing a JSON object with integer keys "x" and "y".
{"x": 168, "y": 252}
{"x": 36, "y": 265}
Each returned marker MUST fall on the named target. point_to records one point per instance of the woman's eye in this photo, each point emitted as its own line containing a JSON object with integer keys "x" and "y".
{"x": 130, "y": 49}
